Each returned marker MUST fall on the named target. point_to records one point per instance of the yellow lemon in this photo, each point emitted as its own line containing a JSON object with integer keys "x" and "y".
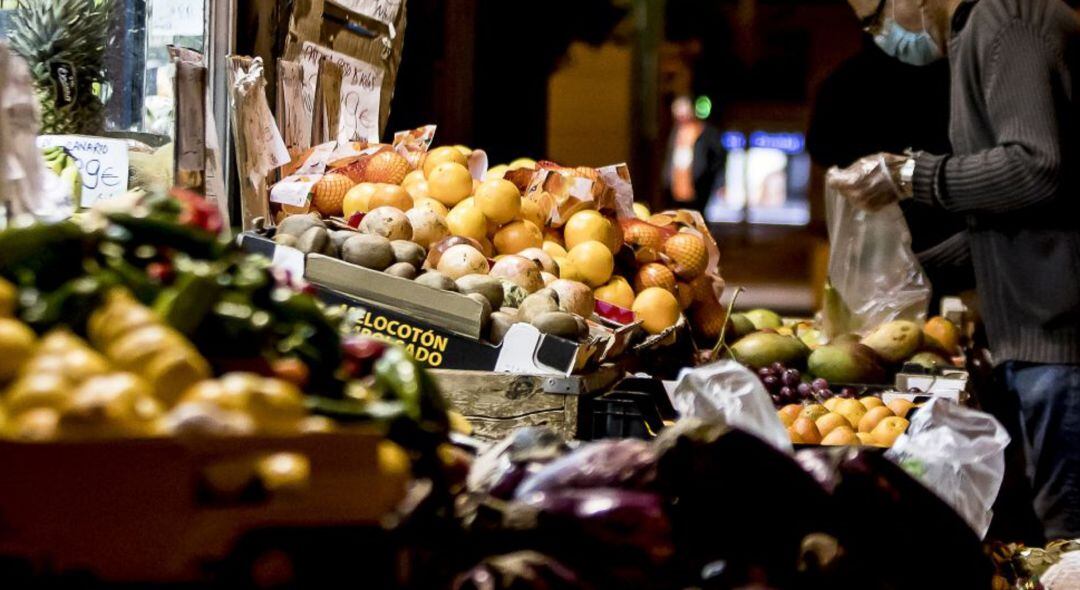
{"x": 641, "y": 211}
{"x": 358, "y": 199}
{"x": 412, "y": 178}
{"x": 522, "y": 163}
{"x": 431, "y": 205}
{"x": 530, "y": 211}
{"x": 496, "y": 172}
{"x": 594, "y": 261}
{"x": 587, "y": 225}
{"x": 554, "y": 250}
{"x": 450, "y": 183}
{"x": 442, "y": 155}
{"x": 390, "y": 195}
{"x": 467, "y": 222}
{"x": 499, "y": 200}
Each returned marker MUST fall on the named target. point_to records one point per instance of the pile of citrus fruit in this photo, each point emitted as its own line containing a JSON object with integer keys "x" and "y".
{"x": 845, "y": 421}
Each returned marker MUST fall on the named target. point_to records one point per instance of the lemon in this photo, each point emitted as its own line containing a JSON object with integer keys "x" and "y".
{"x": 530, "y": 211}
{"x": 499, "y": 200}
{"x": 642, "y": 211}
{"x": 17, "y": 342}
{"x": 496, "y": 172}
{"x": 418, "y": 190}
{"x": 390, "y": 195}
{"x": 443, "y": 155}
{"x": 358, "y": 198}
{"x": 450, "y": 183}
{"x": 467, "y": 222}
{"x": 522, "y": 163}
{"x": 431, "y": 205}
{"x": 594, "y": 262}
{"x": 464, "y": 149}
{"x": 554, "y": 250}
{"x": 590, "y": 225}
{"x": 414, "y": 177}
{"x": 657, "y": 309}
{"x": 517, "y": 236}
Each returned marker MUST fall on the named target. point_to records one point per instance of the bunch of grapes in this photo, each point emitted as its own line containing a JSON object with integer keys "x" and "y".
{"x": 786, "y": 386}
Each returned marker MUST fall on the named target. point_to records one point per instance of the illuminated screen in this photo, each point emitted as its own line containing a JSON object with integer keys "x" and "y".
{"x": 766, "y": 179}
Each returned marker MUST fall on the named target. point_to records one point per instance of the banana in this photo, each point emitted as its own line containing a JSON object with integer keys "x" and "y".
{"x": 71, "y": 175}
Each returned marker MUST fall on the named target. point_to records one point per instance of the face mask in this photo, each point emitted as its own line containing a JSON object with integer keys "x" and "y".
{"x": 917, "y": 49}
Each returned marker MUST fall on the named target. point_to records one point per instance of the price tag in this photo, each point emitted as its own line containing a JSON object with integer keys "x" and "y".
{"x": 294, "y": 191}
{"x": 361, "y": 92}
{"x": 103, "y": 163}
{"x": 177, "y": 18}
{"x": 384, "y": 11}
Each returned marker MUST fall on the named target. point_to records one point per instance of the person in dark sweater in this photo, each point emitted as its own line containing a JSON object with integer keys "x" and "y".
{"x": 1014, "y": 174}
{"x": 873, "y": 86}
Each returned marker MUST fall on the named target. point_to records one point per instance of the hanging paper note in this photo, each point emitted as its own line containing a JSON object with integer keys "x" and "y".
{"x": 384, "y": 11}
{"x": 361, "y": 92}
{"x": 177, "y": 18}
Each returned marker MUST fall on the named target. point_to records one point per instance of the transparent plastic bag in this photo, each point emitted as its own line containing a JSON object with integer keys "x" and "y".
{"x": 959, "y": 453}
{"x": 728, "y": 392}
{"x": 874, "y": 276}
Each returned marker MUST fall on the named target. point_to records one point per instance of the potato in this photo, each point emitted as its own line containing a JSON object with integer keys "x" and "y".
{"x": 406, "y": 251}
{"x": 387, "y": 222}
{"x": 313, "y": 240}
{"x": 488, "y": 287}
{"x": 296, "y": 225}
{"x": 500, "y": 325}
{"x": 437, "y": 280}
{"x": 557, "y": 323}
{"x": 285, "y": 240}
{"x": 368, "y": 251}
{"x": 536, "y": 304}
{"x": 485, "y": 314}
{"x": 338, "y": 237}
{"x": 403, "y": 270}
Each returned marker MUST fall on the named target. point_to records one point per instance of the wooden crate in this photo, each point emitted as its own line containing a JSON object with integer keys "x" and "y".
{"x": 498, "y": 403}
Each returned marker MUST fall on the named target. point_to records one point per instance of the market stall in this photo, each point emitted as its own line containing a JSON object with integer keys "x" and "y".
{"x": 402, "y": 364}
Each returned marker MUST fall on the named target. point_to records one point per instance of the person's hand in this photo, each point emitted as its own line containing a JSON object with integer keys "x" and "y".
{"x": 870, "y": 183}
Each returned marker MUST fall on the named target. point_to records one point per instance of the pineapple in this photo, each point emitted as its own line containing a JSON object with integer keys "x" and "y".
{"x": 64, "y": 43}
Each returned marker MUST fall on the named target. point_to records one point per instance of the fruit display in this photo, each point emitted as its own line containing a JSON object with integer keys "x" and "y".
{"x": 527, "y": 225}
{"x": 140, "y": 320}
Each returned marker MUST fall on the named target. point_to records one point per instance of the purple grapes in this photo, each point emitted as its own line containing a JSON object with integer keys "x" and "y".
{"x": 819, "y": 384}
{"x": 791, "y": 377}
{"x": 771, "y": 382}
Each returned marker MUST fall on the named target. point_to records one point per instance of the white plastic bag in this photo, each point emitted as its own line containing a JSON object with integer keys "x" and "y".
{"x": 872, "y": 269}
{"x": 959, "y": 453}
{"x": 729, "y": 392}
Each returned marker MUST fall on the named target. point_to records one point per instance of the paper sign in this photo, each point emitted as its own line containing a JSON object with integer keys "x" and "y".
{"x": 361, "y": 92}
{"x": 384, "y": 11}
{"x": 177, "y": 18}
{"x": 103, "y": 163}
{"x": 294, "y": 191}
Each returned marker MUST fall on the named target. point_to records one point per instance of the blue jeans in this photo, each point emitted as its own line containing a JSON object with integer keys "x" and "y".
{"x": 1049, "y": 398}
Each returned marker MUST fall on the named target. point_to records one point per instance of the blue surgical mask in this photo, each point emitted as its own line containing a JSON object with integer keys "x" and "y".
{"x": 917, "y": 49}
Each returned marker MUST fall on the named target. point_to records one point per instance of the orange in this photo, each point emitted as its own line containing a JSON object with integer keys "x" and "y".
{"x": 795, "y": 438}
{"x": 841, "y": 436}
{"x": 654, "y": 274}
{"x": 464, "y": 149}
{"x": 431, "y": 205}
{"x": 330, "y": 194}
{"x": 829, "y": 422}
{"x": 442, "y": 155}
{"x": 390, "y": 195}
{"x": 852, "y": 410}
{"x": 873, "y": 417}
{"x": 567, "y": 269}
{"x": 450, "y": 183}
{"x": 595, "y": 263}
{"x": 657, "y": 309}
{"x": 468, "y": 222}
{"x": 888, "y": 430}
{"x": 830, "y": 404}
{"x": 708, "y": 318}
{"x": 517, "y": 236}
{"x": 789, "y": 413}
{"x": 642, "y": 235}
{"x": 685, "y": 294}
{"x": 523, "y": 163}
{"x": 414, "y": 177}
{"x": 358, "y": 199}
{"x": 689, "y": 254}
{"x": 865, "y": 438}
{"x": 806, "y": 430}
{"x": 943, "y": 333}
{"x": 616, "y": 292}
{"x": 870, "y": 402}
{"x": 530, "y": 211}
{"x": 499, "y": 200}
{"x": 590, "y": 225}
{"x": 554, "y": 250}
{"x": 901, "y": 407}
{"x": 813, "y": 411}
{"x": 386, "y": 166}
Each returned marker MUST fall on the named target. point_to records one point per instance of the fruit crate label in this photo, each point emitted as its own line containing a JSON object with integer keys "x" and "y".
{"x": 384, "y": 11}
{"x": 294, "y": 191}
{"x": 361, "y": 92}
{"x": 103, "y": 163}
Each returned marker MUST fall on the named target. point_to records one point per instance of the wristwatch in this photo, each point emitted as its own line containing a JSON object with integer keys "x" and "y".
{"x": 907, "y": 174}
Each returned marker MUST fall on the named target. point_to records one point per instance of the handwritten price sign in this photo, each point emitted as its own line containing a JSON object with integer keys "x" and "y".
{"x": 361, "y": 91}
{"x": 177, "y": 18}
{"x": 103, "y": 163}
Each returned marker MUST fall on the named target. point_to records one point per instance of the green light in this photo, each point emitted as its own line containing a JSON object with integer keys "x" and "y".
{"x": 703, "y": 107}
